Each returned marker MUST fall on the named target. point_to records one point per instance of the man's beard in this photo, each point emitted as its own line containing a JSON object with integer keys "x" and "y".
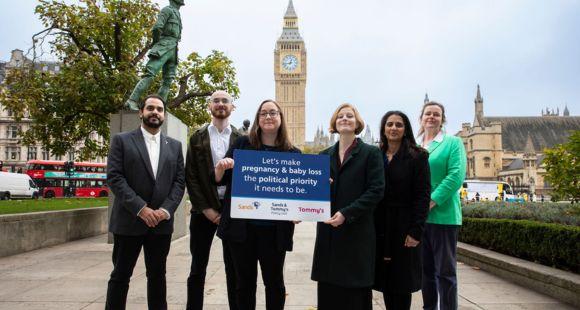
{"x": 216, "y": 114}
{"x": 148, "y": 123}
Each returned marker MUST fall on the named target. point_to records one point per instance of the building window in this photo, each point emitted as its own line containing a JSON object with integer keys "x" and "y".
{"x": 12, "y": 132}
{"x": 71, "y": 155}
{"x": 471, "y": 144}
{"x": 486, "y": 162}
{"x": 45, "y": 154}
{"x": 12, "y": 153}
{"x": 31, "y": 153}
{"x": 58, "y": 157}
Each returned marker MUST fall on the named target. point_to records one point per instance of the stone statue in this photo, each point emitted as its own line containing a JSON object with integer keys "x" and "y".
{"x": 163, "y": 54}
{"x": 245, "y": 127}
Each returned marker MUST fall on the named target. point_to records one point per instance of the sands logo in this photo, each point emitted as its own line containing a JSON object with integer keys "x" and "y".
{"x": 254, "y": 206}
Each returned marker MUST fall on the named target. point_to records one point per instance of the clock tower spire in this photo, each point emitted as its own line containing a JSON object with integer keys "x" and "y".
{"x": 290, "y": 76}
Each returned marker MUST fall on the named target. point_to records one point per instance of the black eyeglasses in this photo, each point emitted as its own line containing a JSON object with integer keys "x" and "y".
{"x": 222, "y": 100}
{"x": 272, "y": 114}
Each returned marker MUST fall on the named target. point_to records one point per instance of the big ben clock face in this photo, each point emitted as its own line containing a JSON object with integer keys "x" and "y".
{"x": 290, "y": 62}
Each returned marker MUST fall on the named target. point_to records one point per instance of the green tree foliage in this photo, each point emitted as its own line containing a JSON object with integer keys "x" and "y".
{"x": 563, "y": 168}
{"x": 102, "y": 46}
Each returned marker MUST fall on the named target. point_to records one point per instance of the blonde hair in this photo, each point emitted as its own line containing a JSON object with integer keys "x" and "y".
{"x": 431, "y": 103}
{"x": 360, "y": 124}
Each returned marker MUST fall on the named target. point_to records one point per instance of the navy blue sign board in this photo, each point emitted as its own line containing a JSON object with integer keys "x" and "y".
{"x": 280, "y": 186}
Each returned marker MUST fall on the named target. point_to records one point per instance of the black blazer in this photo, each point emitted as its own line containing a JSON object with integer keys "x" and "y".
{"x": 345, "y": 255}
{"x": 233, "y": 229}
{"x": 402, "y": 212}
{"x": 130, "y": 177}
{"x": 199, "y": 168}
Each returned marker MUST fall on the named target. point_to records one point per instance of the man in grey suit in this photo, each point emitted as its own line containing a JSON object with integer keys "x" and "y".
{"x": 145, "y": 172}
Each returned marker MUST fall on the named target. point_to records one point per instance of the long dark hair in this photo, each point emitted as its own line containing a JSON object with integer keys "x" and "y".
{"x": 282, "y": 140}
{"x": 408, "y": 145}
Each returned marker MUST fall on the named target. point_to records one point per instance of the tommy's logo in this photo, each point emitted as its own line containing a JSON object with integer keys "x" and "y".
{"x": 311, "y": 210}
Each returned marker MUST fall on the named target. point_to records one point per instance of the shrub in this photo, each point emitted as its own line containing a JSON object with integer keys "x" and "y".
{"x": 558, "y": 213}
{"x": 549, "y": 244}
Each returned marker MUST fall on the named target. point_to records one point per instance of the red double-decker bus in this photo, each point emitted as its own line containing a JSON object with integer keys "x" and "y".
{"x": 85, "y": 180}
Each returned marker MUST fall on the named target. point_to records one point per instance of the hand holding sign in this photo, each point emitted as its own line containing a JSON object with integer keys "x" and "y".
{"x": 336, "y": 220}
{"x": 222, "y": 166}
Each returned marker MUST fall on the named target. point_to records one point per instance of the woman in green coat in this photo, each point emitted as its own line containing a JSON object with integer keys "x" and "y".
{"x": 447, "y": 161}
{"x": 344, "y": 253}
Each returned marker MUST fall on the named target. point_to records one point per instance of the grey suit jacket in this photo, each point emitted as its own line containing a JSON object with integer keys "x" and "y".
{"x": 130, "y": 177}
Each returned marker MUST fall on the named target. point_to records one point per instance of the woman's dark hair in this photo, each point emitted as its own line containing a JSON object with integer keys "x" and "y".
{"x": 282, "y": 140}
{"x": 408, "y": 145}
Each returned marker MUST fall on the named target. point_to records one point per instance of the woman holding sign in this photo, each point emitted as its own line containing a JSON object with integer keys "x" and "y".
{"x": 344, "y": 253}
{"x": 252, "y": 241}
{"x": 400, "y": 217}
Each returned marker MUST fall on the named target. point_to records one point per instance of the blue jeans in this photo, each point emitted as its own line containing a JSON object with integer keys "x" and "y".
{"x": 440, "y": 267}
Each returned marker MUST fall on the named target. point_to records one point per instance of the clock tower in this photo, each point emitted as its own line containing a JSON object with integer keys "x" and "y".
{"x": 290, "y": 76}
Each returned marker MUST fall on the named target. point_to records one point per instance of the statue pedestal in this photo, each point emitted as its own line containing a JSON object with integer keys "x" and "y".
{"x": 172, "y": 127}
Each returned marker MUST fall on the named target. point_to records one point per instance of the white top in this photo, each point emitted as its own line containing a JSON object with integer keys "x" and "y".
{"x": 153, "y": 148}
{"x": 219, "y": 144}
{"x": 152, "y": 143}
{"x": 438, "y": 138}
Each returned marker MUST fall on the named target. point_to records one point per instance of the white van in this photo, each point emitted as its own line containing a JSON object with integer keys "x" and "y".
{"x": 17, "y": 185}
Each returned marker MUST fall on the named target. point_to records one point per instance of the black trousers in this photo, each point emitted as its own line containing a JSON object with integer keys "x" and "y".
{"x": 259, "y": 246}
{"x": 440, "y": 267}
{"x": 202, "y": 232}
{"x": 397, "y": 301}
{"x": 126, "y": 250}
{"x": 332, "y": 297}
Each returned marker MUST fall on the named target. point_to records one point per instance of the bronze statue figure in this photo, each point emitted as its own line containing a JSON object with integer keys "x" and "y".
{"x": 163, "y": 54}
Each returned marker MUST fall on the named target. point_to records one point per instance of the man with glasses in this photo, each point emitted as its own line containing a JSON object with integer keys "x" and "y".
{"x": 207, "y": 146}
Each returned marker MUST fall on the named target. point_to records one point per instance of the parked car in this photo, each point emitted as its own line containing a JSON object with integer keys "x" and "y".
{"x": 17, "y": 185}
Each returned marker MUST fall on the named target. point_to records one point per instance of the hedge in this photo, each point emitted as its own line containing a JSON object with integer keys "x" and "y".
{"x": 549, "y": 244}
{"x": 560, "y": 213}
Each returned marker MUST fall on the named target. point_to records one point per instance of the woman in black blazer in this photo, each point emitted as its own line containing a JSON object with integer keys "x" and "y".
{"x": 401, "y": 215}
{"x": 253, "y": 241}
{"x": 344, "y": 253}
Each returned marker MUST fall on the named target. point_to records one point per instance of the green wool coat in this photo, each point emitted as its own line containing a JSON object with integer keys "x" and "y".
{"x": 447, "y": 161}
{"x": 345, "y": 255}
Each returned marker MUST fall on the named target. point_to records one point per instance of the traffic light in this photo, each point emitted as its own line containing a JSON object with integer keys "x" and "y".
{"x": 69, "y": 168}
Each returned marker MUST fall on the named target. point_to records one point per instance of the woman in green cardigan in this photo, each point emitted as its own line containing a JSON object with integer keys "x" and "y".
{"x": 447, "y": 161}
{"x": 344, "y": 252}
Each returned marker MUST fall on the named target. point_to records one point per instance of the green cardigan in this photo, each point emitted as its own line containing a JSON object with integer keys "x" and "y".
{"x": 447, "y": 161}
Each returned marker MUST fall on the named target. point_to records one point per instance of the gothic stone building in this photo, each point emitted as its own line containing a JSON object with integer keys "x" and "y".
{"x": 511, "y": 148}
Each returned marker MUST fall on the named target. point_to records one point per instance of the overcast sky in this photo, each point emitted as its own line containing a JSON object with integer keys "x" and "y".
{"x": 382, "y": 55}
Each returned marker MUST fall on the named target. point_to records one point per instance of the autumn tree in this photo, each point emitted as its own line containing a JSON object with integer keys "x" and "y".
{"x": 563, "y": 168}
{"x": 101, "y": 46}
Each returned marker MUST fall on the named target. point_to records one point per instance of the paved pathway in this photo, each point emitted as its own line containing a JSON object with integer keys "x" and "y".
{"x": 74, "y": 276}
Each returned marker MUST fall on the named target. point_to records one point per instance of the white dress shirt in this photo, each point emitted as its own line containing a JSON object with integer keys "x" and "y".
{"x": 219, "y": 143}
{"x": 153, "y": 149}
{"x": 438, "y": 138}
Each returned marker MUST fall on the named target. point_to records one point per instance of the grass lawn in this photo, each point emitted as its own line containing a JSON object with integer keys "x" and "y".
{"x": 31, "y": 205}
